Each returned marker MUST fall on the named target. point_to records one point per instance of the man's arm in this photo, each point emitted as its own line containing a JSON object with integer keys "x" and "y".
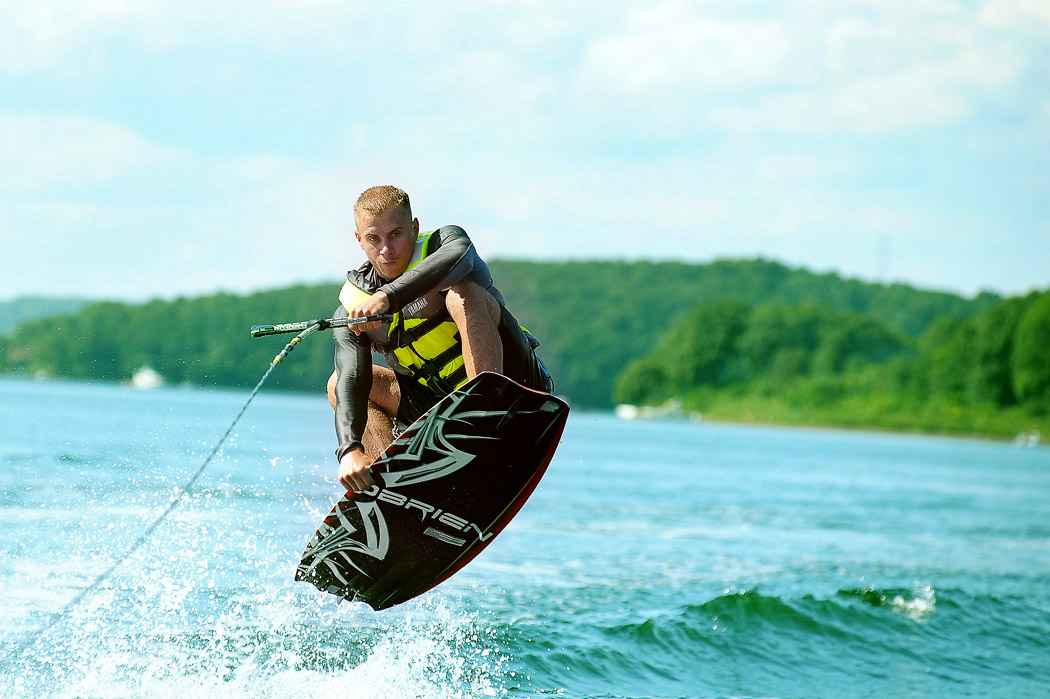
{"x": 452, "y": 259}
{"x": 353, "y": 366}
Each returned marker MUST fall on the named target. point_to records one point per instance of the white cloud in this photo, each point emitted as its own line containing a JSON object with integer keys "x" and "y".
{"x": 670, "y": 46}
{"x": 556, "y": 130}
{"x": 1024, "y": 16}
{"x": 41, "y": 33}
{"x": 921, "y": 92}
{"x": 791, "y": 166}
{"x": 46, "y": 151}
{"x": 87, "y": 196}
{"x": 862, "y": 67}
{"x": 45, "y": 34}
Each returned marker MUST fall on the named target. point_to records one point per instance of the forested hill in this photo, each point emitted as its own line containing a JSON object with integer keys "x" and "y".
{"x": 593, "y": 319}
{"x": 812, "y": 364}
{"x": 202, "y": 341}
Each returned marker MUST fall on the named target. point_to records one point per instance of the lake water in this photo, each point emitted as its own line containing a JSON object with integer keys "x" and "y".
{"x": 657, "y": 559}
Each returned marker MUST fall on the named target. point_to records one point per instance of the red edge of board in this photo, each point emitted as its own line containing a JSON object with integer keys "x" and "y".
{"x": 508, "y": 514}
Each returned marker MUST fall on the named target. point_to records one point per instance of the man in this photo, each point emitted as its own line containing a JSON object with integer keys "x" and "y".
{"x": 450, "y": 324}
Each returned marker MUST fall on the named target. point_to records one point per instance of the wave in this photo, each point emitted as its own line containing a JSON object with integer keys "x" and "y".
{"x": 846, "y": 614}
{"x": 774, "y": 645}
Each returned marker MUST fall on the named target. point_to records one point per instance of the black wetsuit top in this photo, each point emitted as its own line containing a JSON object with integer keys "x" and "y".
{"x": 451, "y": 259}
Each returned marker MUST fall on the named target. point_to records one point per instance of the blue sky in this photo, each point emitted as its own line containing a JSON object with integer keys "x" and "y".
{"x": 155, "y": 149}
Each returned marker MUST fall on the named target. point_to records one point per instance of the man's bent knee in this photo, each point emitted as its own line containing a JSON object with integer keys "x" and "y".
{"x": 332, "y": 381}
{"x": 385, "y": 392}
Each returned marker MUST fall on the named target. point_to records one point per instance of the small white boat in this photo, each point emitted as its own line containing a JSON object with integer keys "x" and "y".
{"x": 670, "y": 409}
{"x": 146, "y": 377}
{"x": 1031, "y": 438}
{"x": 626, "y": 411}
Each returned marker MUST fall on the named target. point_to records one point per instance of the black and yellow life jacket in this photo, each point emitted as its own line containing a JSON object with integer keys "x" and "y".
{"x": 422, "y": 339}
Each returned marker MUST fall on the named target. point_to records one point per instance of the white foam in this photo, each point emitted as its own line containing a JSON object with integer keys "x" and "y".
{"x": 274, "y": 641}
{"x": 920, "y": 605}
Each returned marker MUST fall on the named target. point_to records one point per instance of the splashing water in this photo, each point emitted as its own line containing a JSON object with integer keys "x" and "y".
{"x": 177, "y": 623}
{"x": 206, "y": 606}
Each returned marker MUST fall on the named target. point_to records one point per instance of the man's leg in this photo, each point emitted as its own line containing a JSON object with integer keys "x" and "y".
{"x": 383, "y": 402}
{"x": 477, "y": 316}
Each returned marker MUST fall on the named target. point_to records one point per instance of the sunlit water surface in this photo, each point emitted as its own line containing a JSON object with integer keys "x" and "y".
{"x": 657, "y": 559}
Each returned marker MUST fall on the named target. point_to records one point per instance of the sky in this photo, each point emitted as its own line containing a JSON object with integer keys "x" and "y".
{"x": 154, "y": 149}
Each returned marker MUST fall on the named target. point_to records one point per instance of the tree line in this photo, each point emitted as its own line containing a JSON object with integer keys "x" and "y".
{"x": 201, "y": 341}
{"x": 593, "y": 318}
{"x": 813, "y": 363}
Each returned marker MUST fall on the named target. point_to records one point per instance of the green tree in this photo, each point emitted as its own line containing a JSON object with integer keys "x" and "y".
{"x": 643, "y": 381}
{"x": 780, "y": 339}
{"x": 994, "y": 330}
{"x": 852, "y": 340}
{"x": 945, "y": 360}
{"x": 702, "y": 349}
{"x": 1031, "y": 355}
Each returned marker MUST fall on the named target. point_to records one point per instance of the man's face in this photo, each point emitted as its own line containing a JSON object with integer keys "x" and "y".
{"x": 388, "y": 240}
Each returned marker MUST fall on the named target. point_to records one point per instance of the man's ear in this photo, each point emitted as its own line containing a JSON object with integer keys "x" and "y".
{"x": 415, "y": 226}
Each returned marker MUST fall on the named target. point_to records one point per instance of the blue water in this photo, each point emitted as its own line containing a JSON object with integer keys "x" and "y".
{"x": 657, "y": 559}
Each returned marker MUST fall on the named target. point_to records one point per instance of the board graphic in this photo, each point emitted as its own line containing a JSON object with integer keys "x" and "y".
{"x": 444, "y": 489}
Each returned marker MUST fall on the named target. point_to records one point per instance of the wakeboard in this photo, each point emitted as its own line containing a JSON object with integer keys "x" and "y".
{"x": 444, "y": 489}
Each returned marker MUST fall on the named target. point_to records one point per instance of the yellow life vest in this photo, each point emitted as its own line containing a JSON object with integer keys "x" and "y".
{"x": 425, "y": 343}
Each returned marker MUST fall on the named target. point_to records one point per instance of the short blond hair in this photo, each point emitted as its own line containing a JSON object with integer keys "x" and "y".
{"x": 377, "y": 200}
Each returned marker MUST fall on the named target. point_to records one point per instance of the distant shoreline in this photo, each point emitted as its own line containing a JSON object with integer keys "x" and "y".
{"x": 710, "y": 417}
{"x": 873, "y": 429}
